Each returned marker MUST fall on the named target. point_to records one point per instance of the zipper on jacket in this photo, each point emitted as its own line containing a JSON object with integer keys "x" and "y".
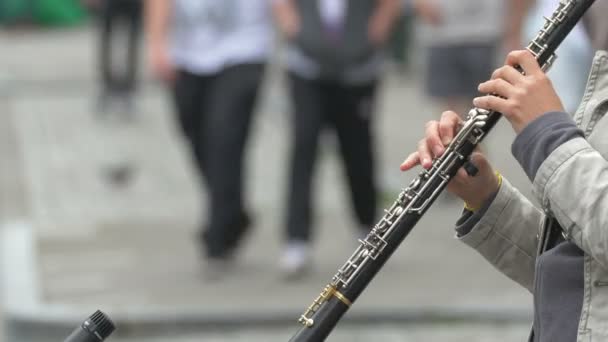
{"x": 600, "y": 283}
{"x": 541, "y": 236}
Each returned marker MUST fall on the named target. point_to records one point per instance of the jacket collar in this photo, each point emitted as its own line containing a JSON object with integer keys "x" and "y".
{"x": 592, "y": 107}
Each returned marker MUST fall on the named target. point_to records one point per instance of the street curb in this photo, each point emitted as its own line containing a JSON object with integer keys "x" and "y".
{"x": 32, "y": 328}
{"x": 27, "y": 318}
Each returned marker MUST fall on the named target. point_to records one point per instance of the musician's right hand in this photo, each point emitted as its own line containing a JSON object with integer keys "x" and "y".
{"x": 474, "y": 190}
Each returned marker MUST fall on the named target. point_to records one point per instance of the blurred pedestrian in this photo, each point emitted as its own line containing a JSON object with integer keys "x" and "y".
{"x": 212, "y": 53}
{"x": 462, "y": 39}
{"x": 119, "y": 31}
{"x": 334, "y": 63}
{"x": 118, "y": 64}
{"x": 569, "y": 76}
{"x": 597, "y": 26}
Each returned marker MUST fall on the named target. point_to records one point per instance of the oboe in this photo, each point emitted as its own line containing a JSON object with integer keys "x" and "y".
{"x": 352, "y": 278}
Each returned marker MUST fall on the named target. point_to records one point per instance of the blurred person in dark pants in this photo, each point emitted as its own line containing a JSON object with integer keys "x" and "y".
{"x": 118, "y": 64}
{"x": 335, "y": 59}
{"x": 212, "y": 54}
{"x": 462, "y": 39}
{"x": 119, "y": 31}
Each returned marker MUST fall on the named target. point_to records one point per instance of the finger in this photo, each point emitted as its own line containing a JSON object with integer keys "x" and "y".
{"x": 448, "y": 125}
{"x": 498, "y": 87}
{"x": 481, "y": 163}
{"x": 426, "y": 159}
{"x": 480, "y": 160}
{"x": 491, "y": 103}
{"x": 462, "y": 176}
{"x": 525, "y": 60}
{"x": 460, "y": 179}
{"x": 509, "y": 74}
{"x": 411, "y": 161}
{"x": 433, "y": 139}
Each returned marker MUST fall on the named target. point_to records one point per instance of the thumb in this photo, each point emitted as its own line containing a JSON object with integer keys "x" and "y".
{"x": 481, "y": 162}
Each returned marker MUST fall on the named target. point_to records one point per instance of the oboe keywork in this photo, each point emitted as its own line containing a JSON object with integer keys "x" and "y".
{"x": 399, "y": 219}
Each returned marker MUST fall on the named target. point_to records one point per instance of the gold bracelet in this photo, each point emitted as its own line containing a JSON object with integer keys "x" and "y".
{"x": 474, "y": 209}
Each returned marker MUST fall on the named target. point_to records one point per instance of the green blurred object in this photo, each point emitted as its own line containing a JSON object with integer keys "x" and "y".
{"x": 14, "y": 10}
{"x": 44, "y": 12}
{"x": 57, "y": 12}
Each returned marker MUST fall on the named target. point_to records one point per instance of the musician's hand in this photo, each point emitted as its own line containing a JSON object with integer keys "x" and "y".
{"x": 520, "y": 98}
{"x": 438, "y": 134}
{"x": 473, "y": 190}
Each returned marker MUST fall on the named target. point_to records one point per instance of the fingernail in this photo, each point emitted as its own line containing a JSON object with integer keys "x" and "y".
{"x": 479, "y": 86}
{"x": 476, "y": 101}
{"x": 426, "y": 161}
{"x": 445, "y": 141}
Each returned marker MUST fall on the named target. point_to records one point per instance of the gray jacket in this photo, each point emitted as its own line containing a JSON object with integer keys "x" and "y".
{"x": 572, "y": 185}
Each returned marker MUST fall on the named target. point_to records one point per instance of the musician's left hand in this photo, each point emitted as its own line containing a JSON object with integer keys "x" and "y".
{"x": 520, "y": 98}
{"x": 474, "y": 190}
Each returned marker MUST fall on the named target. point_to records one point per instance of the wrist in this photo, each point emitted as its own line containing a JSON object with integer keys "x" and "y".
{"x": 475, "y": 204}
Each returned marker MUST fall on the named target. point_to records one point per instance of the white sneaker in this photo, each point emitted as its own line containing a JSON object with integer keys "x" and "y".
{"x": 362, "y": 233}
{"x": 295, "y": 260}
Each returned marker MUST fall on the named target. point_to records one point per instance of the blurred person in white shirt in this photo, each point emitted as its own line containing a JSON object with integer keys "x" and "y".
{"x": 212, "y": 54}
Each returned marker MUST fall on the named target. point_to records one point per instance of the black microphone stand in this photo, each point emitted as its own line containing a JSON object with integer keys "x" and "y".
{"x": 95, "y": 329}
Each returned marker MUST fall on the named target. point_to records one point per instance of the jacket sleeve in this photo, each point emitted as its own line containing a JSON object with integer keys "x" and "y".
{"x": 573, "y": 184}
{"x": 506, "y": 235}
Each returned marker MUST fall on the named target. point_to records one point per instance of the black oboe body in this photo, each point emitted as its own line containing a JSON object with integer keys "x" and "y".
{"x": 352, "y": 278}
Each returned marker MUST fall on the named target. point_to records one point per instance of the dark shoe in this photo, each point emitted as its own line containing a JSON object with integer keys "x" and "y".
{"x": 231, "y": 241}
{"x": 240, "y": 230}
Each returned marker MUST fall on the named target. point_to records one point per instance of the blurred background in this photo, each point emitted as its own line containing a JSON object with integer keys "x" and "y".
{"x": 199, "y": 169}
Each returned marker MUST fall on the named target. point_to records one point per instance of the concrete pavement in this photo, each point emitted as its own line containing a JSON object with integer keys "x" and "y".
{"x": 87, "y": 244}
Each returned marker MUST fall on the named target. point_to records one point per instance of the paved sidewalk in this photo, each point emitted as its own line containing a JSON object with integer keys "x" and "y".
{"x": 381, "y": 332}
{"x": 86, "y": 244}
